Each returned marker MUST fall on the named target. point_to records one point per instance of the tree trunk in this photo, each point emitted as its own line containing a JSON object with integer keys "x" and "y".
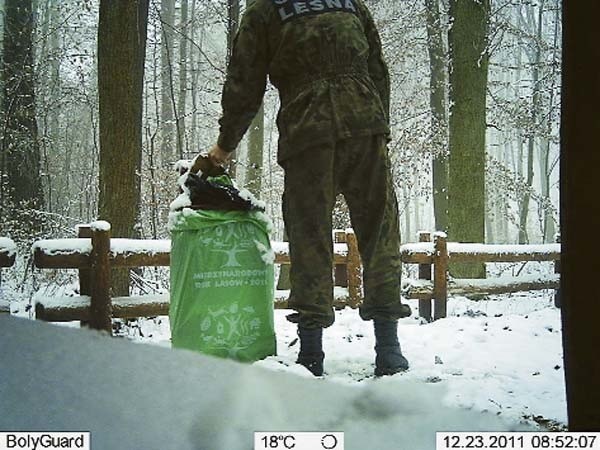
{"x": 233, "y": 21}
{"x": 548, "y": 229}
{"x": 181, "y": 100}
{"x": 63, "y": 185}
{"x": 56, "y": 189}
{"x": 168, "y": 145}
{"x": 536, "y": 102}
{"x": 438, "y": 104}
{"x": 468, "y": 83}
{"x": 417, "y": 206}
{"x": 406, "y": 201}
{"x": 524, "y": 210}
{"x": 121, "y": 51}
{"x": 256, "y": 140}
{"x": 21, "y": 188}
{"x": 195, "y": 58}
{"x": 283, "y": 283}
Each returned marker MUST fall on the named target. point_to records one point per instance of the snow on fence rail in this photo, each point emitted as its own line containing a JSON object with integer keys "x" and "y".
{"x": 433, "y": 258}
{"x": 94, "y": 253}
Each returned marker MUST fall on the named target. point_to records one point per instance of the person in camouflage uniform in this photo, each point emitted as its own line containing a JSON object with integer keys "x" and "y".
{"x": 325, "y": 59}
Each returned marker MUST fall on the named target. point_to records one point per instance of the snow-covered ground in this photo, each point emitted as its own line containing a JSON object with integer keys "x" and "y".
{"x": 502, "y": 355}
{"x": 493, "y": 364}
{"x": 147, "y": 397}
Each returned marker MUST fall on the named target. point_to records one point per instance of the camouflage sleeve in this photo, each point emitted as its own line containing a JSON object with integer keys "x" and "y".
{"x": 246, "y": 79}
{"x": 377, "y": 66}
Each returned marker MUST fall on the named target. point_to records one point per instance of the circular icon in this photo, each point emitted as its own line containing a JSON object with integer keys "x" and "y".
{"x": 329, "y": 442}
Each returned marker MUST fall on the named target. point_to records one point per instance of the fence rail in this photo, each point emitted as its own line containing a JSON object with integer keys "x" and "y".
{"x": 434, "y": 258}
{"x": 94, "y": 253}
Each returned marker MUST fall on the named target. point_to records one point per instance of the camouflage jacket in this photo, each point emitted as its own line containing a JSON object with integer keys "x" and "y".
{"x": 324, "y": 57}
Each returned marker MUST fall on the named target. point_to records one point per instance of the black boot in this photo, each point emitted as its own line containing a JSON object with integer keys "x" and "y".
{"x": 389, "y": 359}
{"x": 311, "y": 349}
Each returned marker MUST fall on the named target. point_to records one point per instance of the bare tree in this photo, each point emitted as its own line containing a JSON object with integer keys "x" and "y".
{"x": 167, "y": 16}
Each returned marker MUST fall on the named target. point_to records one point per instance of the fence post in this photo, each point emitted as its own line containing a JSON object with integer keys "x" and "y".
{"x": 440, "y": 270}
{"x": 100, "y": 304}
{"x": 85, "y": 280}
{"x": 425, "y": 274}
{"x": 353, "y": 269}
{"x": 340, "y": 272}
{"x": 557, "y": 300}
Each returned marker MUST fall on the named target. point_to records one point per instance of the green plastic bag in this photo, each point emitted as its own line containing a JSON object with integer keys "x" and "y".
{"x": 222, "y": 284}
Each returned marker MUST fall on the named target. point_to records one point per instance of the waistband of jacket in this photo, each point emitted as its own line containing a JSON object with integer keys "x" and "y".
{"x": 293, "y": 85}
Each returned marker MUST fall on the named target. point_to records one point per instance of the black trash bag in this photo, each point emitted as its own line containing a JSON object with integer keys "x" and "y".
{"x": 206, "y": 193}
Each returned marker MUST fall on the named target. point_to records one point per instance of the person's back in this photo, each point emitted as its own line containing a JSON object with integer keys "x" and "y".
{"x": 324, "y": 58}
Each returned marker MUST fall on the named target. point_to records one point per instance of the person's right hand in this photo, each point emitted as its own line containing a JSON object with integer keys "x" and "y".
{"x": 218, "y": 156}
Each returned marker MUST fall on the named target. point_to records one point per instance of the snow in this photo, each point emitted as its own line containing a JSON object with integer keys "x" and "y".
{"x": 340, "y": 249}
{"x": 421, "y": 247}
{"x": 267, "y": 254}
{"x": 280, "y": 247}
{"x": 8, "y": 246}
{"x": 180, "y": 202}
{"x": 121, "y": 246}
{"x": 63, "y": 246}
{"x": 245, "y": 194}
{"x": 140, "y": 396}
{"x": 521, "y": 249}
{"x": 100, "y": 225}
{"x": 118, "y": 246}
{"x": 283, "y": 248}
{"x": 502, "y": 280}
{"x": 183, "y": 199}
{"x": 67, "y": 302}
{"x": 492, "y": 365}
{"x": 486, "y": 249}
{"x": 502, "y": 355}
{"x": 266, "y": 219}
{"x": 184, "y": 165}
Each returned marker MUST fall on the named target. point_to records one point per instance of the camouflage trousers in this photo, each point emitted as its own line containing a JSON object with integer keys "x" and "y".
{"x": 358, "y": 168}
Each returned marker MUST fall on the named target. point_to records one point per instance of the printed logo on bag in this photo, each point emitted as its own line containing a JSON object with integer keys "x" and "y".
{"x": 231, "y": 255}
{"x": 292, "y": 9}
{"x": 231, "y": 328}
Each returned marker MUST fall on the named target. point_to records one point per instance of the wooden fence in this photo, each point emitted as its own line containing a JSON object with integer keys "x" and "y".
{"x": 433, "y": 259}
{"x": 94, "y": 253}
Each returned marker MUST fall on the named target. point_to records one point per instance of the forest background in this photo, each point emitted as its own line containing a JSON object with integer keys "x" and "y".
{"x": 475, "y": 115}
